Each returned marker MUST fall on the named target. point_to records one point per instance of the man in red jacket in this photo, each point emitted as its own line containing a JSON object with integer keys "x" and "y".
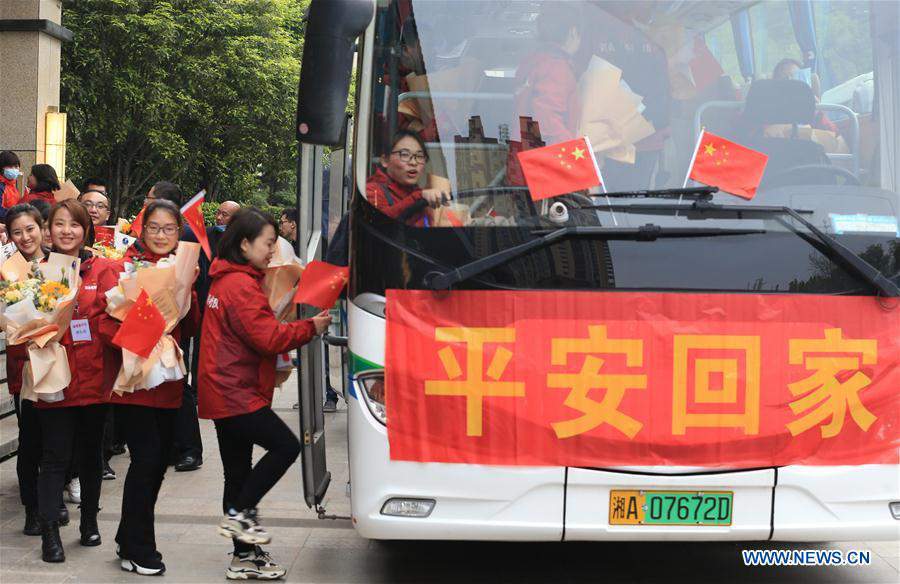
{"x": 9, "y": 173}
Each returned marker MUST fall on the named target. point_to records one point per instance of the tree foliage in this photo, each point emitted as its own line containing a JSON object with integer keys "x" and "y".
{"x": 200, "y": 92}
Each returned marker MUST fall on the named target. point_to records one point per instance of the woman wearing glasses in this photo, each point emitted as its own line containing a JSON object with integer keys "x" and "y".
{"x": 394, "y": 187}
{"x": 148, "y": 417}
{"x": 97, "y": 206}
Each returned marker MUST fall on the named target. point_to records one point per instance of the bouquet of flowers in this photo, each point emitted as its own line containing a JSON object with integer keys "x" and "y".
{"x": 168, "y": 283}
{"x": 36, "y": 306}
{"x": 106, "y": 244}
{"x": 279, "y": 284}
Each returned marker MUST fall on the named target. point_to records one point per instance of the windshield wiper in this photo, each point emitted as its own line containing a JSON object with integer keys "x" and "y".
{"x": 648, "y": 232}
{"x": 702, "y": 193}
{"x": 828, "y": 246}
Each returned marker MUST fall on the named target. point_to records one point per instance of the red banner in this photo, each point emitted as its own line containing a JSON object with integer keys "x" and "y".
{"x": 618, "y": 378}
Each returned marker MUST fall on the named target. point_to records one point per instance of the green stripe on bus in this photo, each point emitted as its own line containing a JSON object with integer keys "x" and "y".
{"x": 358, "y": 364}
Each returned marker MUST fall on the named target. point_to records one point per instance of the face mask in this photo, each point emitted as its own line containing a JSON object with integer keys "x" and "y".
{"x": 11, "y": 173}
{"x": 804, "y": 75}
{"x": 221, "y": 228}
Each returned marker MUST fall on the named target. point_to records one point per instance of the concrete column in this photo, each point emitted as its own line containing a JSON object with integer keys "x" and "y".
{"x": 31, "y": 39}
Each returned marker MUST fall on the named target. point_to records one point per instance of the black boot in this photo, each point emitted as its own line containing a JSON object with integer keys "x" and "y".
{"x": 90, "y": 532}
{"x": 63, "y": 515}
{"x": 51, "y": 545}
{"x": 32, "y": 523}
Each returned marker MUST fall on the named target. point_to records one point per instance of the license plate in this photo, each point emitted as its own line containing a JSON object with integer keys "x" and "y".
{"x": 670, "y": 507}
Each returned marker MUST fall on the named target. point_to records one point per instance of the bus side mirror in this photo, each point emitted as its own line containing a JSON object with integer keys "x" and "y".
{"x": 331, "y": 31}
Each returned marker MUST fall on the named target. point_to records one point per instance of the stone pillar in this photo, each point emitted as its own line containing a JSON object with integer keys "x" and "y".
{"x": 31, "y": 38}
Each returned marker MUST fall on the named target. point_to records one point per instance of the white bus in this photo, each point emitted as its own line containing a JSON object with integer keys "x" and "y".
{"x": 685, "y": 65}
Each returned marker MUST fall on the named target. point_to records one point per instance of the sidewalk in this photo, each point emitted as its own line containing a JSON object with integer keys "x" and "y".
{"x": 188, "y": 511}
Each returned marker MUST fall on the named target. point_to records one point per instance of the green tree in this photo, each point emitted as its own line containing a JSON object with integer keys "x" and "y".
{"x": 201, "y": 92}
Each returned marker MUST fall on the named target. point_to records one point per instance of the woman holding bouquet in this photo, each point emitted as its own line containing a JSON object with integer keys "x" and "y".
{"x": 241, "y": 340}
{"x": 78, "y": 418}
{"x": 25, "y": 227}
{"x": 148, "y": 416}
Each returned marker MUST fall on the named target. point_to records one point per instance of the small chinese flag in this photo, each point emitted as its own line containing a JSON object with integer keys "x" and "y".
{"x": 321, "y": 284}
{"x": 193, "y": 214}
{"x": 725, "y": 164}
{"x": 142, "y": 328}
{"x": 105, "y": 235}
{"x": 137, "y": 225}
{"x": 560, "y": 168}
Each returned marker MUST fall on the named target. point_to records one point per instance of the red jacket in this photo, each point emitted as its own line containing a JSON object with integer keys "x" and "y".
{"x": 548, "y": 94}
{"x": 11, "y": 194}
{"x": 392, "y": 198}
{"x": 168, "y": 395}
{"x": 46, "y": 195}
{"x": 241, "y": 340}
{"x": 93, "y": 363}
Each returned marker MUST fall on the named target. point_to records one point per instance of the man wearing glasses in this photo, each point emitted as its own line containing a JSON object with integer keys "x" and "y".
{"x": 97, "y": 204}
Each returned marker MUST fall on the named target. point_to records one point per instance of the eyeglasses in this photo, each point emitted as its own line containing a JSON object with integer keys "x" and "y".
{"x": 407, "y": 156}
{"x": 154, "y": 229}
{"x": 93, "y": 205}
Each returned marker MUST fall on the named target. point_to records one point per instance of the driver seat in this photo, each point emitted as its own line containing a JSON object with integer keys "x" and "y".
{"x": 781, "y": 101}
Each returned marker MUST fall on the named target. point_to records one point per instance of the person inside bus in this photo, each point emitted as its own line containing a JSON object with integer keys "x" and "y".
{"x": 394, "y": 188}
{"x": 546, "y": 77}
{"x": 236, "y": 382}
{"x": 792, "y": 69}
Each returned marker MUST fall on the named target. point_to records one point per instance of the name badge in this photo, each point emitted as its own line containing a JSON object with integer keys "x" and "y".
{"x": 81, "y": 329}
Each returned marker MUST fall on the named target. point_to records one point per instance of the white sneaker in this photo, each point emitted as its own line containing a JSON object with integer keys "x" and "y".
{"x": 244, "y": 527}
{"x": 257, "y": 564}
{"x": 73, "y": 491}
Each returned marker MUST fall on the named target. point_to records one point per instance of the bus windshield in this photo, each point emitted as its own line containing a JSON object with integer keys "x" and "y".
{"x": 458, "y": 88}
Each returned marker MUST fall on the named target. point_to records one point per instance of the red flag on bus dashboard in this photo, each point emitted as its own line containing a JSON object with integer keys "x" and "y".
{"x": 722, "y": 163}
{"x": 560, "y": 168}
{"x": 321, "y": 284}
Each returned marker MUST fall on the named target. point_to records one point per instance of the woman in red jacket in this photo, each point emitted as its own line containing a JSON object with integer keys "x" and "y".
{"x": 148, "y": 416}
{"x": 25, "y": 227}
{"x": 241, "y": 340}
{"x": 9, "y": 167}
{"x": 78, "y": 418}
{"x": 41, "y": 183}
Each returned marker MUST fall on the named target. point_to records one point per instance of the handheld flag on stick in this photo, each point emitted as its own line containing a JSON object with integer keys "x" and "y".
{"x": 722, "y": 163}
{"x": 142, "y": 328}
{"x": 560, "y": 168}
{"x": 193, "y": 214}
{"x": 321, "y": 284}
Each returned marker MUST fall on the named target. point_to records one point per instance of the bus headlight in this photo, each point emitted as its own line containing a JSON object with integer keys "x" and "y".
{"x": 408, "y": 507}
{"x": 373, "y": 391}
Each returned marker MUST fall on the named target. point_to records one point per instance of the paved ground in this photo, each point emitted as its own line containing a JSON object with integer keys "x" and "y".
{"x": 331, "y": 552}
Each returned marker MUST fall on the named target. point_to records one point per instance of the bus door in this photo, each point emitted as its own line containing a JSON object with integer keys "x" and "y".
{"x": 311, "y": 374}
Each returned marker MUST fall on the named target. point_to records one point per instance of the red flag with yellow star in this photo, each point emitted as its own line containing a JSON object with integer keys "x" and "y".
{"x": 321, "y": 284}
{"x": 560, "y": 168}
{"x": 725, "y": 164}
{"x": 142, "y": 328}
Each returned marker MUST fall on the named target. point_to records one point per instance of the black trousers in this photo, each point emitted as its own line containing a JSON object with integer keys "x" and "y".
{"x": 28, "y": 457}
{"x": 245, "y": 485}
{"x": 187, "y": 429}
{"x": 61, "y": 428}
{"x": 149, "y": 433}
